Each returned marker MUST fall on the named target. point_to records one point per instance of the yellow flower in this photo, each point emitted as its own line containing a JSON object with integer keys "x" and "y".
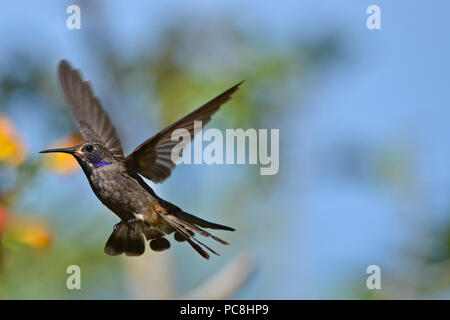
{"x": 62, "y": 163}
{"x": 12, "y": 148}
{"x": 28, "y": 230}
{"x": 36, "y": 235}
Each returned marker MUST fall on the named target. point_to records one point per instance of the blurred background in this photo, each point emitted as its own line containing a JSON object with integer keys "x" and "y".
{"x": 364, "y": 158}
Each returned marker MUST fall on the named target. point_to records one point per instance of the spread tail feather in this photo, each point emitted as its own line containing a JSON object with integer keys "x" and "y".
{"x": 184, "y": 225}
{"x": 203, "y": 223}
{"x": 125, "y": 239}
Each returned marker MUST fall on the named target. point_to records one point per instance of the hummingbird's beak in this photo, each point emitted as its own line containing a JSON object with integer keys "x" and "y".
{"x": 64, "y": 150}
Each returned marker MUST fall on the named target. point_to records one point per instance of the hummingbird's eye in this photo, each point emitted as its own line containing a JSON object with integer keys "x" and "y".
{"x": 89, "y": 148}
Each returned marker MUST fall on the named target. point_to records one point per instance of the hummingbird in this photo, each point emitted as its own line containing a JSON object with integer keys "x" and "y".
{"x": 117, "y": 180}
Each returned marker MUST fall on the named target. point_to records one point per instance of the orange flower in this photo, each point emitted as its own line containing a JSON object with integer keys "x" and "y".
{"x": 2, "y": 221}
{"x": 2, "y": 218}
{"x": 62, "y": 163}
{"x": 12, "y": 148}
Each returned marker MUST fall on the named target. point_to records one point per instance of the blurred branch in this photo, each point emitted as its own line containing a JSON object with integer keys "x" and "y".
{"x": 151, "y": 276}
{"x": 225, "y": 282}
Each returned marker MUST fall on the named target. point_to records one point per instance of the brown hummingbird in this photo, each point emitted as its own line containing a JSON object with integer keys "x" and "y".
{"x": 116, "y": 180}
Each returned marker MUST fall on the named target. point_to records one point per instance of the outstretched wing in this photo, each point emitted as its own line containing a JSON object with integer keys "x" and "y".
{"x": 92, "y": 120}
{"x": 152, "y": 159}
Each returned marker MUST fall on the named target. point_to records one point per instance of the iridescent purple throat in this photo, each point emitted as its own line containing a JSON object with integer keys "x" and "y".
{"x": 101, "y": 164}
{"x": 97, "y": 161}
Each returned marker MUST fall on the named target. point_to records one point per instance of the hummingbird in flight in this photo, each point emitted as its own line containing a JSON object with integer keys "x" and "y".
{"x": 116, "y": 180}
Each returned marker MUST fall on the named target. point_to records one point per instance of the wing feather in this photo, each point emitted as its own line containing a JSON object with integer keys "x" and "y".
{"x": 153, "y": 160}
{"x": 93, "y": 121}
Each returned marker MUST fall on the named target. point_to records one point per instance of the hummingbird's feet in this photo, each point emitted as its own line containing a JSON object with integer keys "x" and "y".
{"x": 116, "y": 226}
{"x": 129, "y": 223}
